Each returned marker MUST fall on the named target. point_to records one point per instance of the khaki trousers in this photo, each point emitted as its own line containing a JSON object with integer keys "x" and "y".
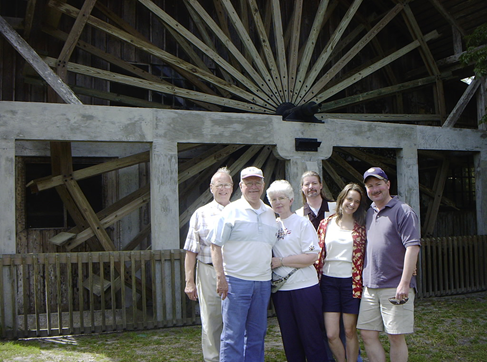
{"x": 210, "y": 311}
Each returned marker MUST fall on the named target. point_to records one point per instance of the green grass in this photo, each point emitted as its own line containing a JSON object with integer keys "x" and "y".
{"x": 447, "y": 329}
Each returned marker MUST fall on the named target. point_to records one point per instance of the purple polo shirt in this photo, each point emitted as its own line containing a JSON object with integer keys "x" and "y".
{"x": 389, "y": 232}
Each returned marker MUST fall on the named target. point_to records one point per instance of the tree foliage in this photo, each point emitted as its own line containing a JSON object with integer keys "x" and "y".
{"x": 477, "y": 50}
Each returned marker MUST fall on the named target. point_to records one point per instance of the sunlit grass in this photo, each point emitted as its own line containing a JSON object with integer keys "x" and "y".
{"x": 447, "y": 329}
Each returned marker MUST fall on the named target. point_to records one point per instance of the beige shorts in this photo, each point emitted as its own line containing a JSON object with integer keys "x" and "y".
{"x": 378, "y": 314}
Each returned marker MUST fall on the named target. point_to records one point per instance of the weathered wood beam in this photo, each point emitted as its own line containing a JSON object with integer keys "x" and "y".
{"x": 455, "y": 59}
{"x": 370, "y": 69}
{"x": 434, "y": 204}
{"x": 263, "y": 91}
{"x": 206, "y": 196}
{"x": 193, "y": 170}
{"x": 176, "y": 29}
{"x": 62, "y": 164}
{"x": 356, "y": 176}
{"x": 48, "y": 182}
{"x": 119, "y": 98}
{"x": 53, "y": 16}
{"x": 110, "y": 211}
{"x": 113, "y": 97}
{"x": 222, "y": 20}
{"x": 427, "y": 56}
{"x": 29, "y": 18}
{"x": 268, "y": 84}
{"x": 380, "y": 93}
{"x": 294, "y": 44}
{"x": 325, "y": 54}
{"x": 121, "y": 23}
{"x": 462, "y": 103}
{"x": 280, "y": 79}
{"x": 124, "y": 65}
{"x": 482, "y": 103}
{"x": 159, "y": 87}
{"x": 377, "y": 45}
{"x": 200, "y": 157}
{"x": 206, "y": 38}
{"x": 381, "y": 117}
{"x": 186, "y": 189}
{"x": 337, "y": 67}
{"x": 270, "y": 167}
{"x": 131, "y": 30}
{"x": 333, "y": 174}
{"x": 311, "y": 41}
{"x": 448, "y": 17}
{"x": 89, "y": 215}
{"x": 25, "y": 50}
{"x": 244, "y": 16}
{"x": 161, "y": 54}
{"x": 111, "y": 215}
{"x": 135, "y": 242}
{"x": 376, "y": 160}
{"x": 73, "y": 37}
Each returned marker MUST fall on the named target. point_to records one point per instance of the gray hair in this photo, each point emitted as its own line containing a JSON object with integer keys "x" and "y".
{"x": 223, "y": 170}
{"x": 280, "y": 186}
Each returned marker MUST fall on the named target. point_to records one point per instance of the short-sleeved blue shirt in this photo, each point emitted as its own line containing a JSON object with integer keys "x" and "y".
{"x": 389, "y": 232}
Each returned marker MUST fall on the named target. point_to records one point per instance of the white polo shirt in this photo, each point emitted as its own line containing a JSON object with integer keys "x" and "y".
{"x": 246, "y": 236}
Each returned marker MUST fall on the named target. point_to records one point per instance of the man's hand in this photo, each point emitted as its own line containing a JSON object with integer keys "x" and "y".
{"x": 191, "y": 291}
{"x": 222, "y": 287}
{"x": 402, "y": 291}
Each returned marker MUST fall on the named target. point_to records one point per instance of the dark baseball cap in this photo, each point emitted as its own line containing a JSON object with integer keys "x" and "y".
{"x": 376, "y": 172}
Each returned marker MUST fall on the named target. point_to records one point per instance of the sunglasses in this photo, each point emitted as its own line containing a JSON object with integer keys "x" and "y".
{"x": 395, "y": 301}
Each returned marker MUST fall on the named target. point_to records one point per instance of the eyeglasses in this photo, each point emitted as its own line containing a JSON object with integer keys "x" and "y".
{"x": 256, "y": 183}
{"x": 223, "y": 186}
{"x": 398, "y": 301}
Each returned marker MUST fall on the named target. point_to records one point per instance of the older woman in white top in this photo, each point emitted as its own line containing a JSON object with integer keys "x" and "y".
{"x": 298, "y": 301}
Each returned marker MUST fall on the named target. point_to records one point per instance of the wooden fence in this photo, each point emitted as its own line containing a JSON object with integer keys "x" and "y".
{"x": 72, "y": 293}
{"x": 453, "y": 265}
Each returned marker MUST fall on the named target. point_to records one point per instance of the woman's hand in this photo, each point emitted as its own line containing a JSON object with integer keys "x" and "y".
{"x": 276, "y": 262}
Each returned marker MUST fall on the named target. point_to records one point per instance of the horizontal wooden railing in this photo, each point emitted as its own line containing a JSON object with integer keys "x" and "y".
{"x": 73, "y": 293}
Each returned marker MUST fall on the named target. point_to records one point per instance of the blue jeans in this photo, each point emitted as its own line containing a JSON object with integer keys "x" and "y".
{"x": 244, "y": 313}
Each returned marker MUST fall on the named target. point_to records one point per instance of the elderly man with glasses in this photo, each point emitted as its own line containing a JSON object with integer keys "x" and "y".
{"x": 198, "y": 253}
{"x": 242, "y": 254}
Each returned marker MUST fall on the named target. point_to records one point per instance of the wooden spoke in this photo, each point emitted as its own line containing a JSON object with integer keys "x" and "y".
{"x": 309, "y": 48}
{"x": 325, "y": 54}
{"x": 354, "y": 50}
{"x": 254, "y": 56}
{"x": 279, "y": 78}
{"x": 369, "y": 70}
{"x": 294, "y": 44}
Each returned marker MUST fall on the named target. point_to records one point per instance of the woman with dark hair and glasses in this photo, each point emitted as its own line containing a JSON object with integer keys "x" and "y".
{"x": 342, "y": 241}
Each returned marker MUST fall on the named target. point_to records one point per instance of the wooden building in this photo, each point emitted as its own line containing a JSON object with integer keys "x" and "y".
{"x": 114, "y": 114}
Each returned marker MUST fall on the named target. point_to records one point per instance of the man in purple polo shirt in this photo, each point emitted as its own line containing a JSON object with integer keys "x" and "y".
{"x": 393, "y": 242}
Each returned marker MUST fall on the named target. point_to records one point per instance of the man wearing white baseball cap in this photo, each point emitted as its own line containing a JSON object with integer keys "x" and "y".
{"x": 242, "y": 253}
{"x": 393, "y": 242}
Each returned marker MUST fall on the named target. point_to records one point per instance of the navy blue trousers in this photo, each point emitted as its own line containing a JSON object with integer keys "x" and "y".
{"x": 300, "y": 317}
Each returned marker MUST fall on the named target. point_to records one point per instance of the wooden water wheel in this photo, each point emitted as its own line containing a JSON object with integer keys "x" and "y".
{"x": 387, "y": 61}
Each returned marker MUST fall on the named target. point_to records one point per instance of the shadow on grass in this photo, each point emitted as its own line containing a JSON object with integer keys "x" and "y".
{"x": 450, "y": 328}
